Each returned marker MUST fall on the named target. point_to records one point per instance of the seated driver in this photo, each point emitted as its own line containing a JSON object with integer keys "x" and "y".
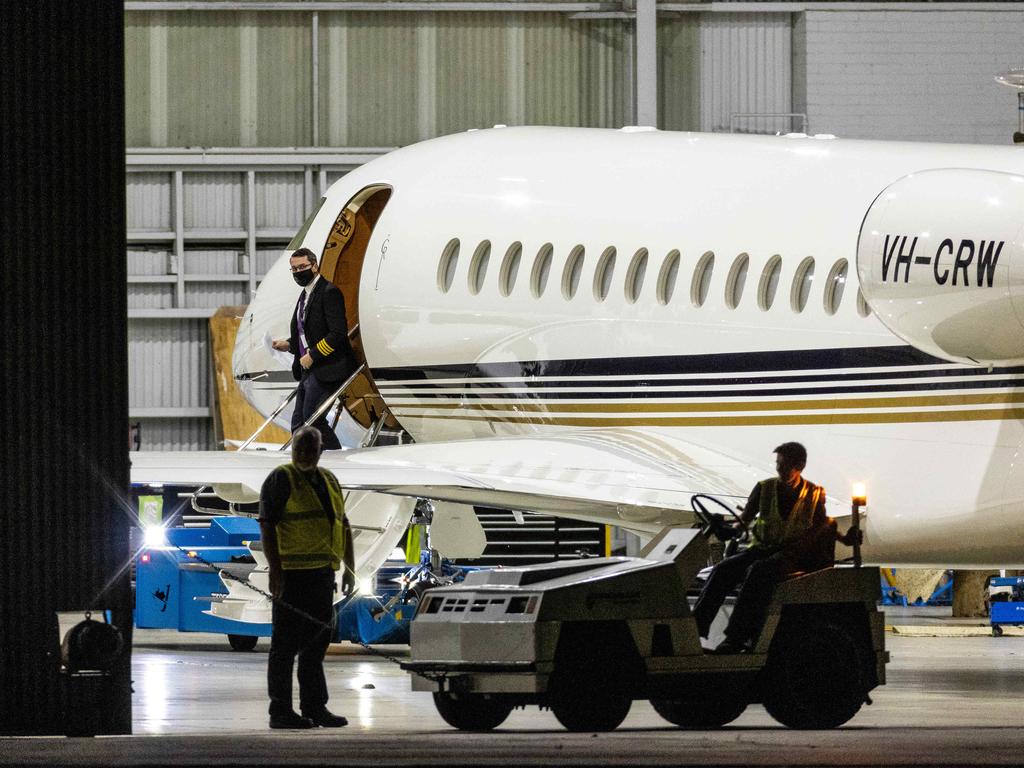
{"x": 790, "y": 533}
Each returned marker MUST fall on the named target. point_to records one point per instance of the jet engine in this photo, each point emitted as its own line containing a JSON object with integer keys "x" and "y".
{"x": 940, "y": 262}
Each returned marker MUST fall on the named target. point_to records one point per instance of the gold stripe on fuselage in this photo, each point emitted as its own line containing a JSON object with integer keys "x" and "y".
{"x": 890, "y": 417}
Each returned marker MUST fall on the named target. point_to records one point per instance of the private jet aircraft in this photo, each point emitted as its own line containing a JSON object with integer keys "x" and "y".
{"x": 598, "y": 324}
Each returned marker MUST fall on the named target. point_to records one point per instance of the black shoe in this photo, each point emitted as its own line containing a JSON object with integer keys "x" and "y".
{"x": 291, "y": 721}
{"x": 729, "y": 646}
{"x": 325, "y": 719}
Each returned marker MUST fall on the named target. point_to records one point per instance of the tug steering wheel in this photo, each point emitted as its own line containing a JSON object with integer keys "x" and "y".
{"x": 715, "y": 521}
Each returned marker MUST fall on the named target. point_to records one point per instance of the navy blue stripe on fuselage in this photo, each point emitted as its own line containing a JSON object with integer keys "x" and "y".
{"x": 703, "y": 381}
{"x": 814, "y": 361}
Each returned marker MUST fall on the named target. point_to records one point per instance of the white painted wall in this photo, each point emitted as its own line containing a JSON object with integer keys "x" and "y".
{"x": 915, "y": 75}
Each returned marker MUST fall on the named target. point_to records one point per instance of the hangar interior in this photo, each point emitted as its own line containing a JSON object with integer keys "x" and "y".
{"x": 240, "y": 114}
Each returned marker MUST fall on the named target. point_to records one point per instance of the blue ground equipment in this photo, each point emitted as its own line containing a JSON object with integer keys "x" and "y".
{"x": 173, "y": 584}
{"x": 1010, "y": 608}
{"x": 176, "y": 584}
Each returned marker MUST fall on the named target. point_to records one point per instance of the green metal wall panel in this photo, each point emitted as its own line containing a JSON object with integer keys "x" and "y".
{"x": 369, "y": 92}
{"x": 679, "y": 55}
{"x": 203, "y": 78}
{"x": 602, "y": 52}
{"x": 284, "y": 80}
{"x": 136, "y": 79}
{"x": 472, "y": 72}
{"x": 549, "y": 64}
{"x": 226, "y": 78}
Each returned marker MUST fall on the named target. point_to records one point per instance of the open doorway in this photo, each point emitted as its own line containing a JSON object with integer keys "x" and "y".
{"x": 342, "y": 263}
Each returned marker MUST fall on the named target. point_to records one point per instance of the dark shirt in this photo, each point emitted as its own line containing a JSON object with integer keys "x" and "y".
{"x": 787, "y": 497}
{"x": 277, "y": 488}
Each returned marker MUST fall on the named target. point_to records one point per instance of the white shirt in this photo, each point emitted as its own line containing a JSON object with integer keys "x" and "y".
{"x": 305, "y": 307}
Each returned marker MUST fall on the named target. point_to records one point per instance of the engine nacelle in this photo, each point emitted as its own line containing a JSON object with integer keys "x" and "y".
{"x": 940, "y": 262}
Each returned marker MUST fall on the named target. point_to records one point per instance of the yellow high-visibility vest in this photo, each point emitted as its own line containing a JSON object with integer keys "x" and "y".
{"x": 770, "y": 530}
{"x": 306, "y": 537}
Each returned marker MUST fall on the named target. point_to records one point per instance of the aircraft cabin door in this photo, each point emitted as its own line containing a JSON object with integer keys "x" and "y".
{"x": 342, "y": 263}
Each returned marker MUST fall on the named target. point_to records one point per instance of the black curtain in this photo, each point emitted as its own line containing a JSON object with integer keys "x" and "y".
{"x": 63, "y": 351}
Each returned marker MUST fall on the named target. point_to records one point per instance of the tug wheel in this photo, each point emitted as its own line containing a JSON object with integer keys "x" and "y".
{"x": 697, "y": 715}
{"x": 242, "y": 642}
{"x": 471, "y": 711}
{"x": 583, "y": 713}
{"x": 812, "y": 679}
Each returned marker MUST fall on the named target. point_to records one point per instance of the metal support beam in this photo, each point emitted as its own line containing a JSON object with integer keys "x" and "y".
{"x": 179, "y": 238}
{"x": 629, "y": 74}
{"x": 315, "y": 85}
{"x": 646, "y": 63}
{"x": 575, "y": 9}
{"x": 250, "y": 226}
{"x": 458, "y": 6}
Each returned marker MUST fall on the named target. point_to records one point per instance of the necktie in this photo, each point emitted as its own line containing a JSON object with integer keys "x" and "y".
{"x": 299, "y": 317}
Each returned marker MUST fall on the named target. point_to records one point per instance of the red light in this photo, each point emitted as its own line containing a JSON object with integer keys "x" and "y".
{"x": 145, "y": 558}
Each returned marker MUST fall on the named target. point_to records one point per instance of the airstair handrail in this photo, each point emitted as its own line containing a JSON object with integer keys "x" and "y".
{"x": 325, "y": 406}
{"x": 270, "y": 418}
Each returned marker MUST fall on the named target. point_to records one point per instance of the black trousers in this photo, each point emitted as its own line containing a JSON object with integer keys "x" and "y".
{"x": 307, "y": 636}
{"x": 759, "y": 571}
{"x": 312, "y": 392}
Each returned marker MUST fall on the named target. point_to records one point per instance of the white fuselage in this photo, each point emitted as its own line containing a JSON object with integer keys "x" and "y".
{"x": 936, "y": 442}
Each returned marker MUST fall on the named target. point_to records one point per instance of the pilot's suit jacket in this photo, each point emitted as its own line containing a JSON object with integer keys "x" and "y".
{"x": 326, "y": 334}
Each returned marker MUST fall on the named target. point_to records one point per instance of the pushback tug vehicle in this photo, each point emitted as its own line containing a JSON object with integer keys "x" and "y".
{"x": 588, "y": 637}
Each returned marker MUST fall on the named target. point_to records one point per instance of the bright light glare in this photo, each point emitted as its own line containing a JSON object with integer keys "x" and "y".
{"x": 366, "y": 586}
{"x": 153, "y": 535}
{"x": 860, "y": 493}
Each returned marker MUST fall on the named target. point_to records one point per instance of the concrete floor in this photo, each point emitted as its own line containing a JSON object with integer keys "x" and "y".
{"x": 948, "y": 701}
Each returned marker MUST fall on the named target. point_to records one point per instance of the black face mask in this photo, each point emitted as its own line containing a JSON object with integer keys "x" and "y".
{"x": 304, "y": 278}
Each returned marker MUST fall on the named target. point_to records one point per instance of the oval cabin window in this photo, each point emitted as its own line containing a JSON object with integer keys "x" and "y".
{"x": 835, "y": 286}
{"x": 446, "y": 268}
{"x": 701, "y": 283}
{"x": 635, "y": 276}
{"x": 541, "y": 270}
{"x": 769, "y": 283}
{"x": 736, "y": 281}
{"x": 510, "y": 268}
{"x": 667, "y": 277}
{"x": 603, "y": 274}
{"x": 478, "y": 266}
{"x": 862, "y": 305}
{"x": 571, "y": 273}
{"x": 802, "y": 281}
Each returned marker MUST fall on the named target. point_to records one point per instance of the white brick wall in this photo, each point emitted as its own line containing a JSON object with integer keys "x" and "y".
{"x": 916, "y": 75}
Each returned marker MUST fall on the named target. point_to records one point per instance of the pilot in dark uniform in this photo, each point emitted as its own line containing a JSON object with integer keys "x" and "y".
{"x": 323, "y": 356}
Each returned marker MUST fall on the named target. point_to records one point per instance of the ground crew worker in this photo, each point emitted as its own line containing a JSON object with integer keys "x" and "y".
{"x": 306, "y": 538}
{"x": 790, "y": 533}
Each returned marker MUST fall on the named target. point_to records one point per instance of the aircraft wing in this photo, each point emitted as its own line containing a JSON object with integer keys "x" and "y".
{"x": 631, "y": 478}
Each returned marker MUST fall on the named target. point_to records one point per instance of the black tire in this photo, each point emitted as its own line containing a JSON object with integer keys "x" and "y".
{"x": 700, "y": 714}
{"x": 813, "y": 678}
{"x": 471, "y": 711}
{"x": 242, "y": 642}
{"x": 997, "y": 631}
{"x": 579, "y": 712}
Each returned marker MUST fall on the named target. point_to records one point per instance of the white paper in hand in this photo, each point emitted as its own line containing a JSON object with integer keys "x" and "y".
{"x": 282, "y": 358}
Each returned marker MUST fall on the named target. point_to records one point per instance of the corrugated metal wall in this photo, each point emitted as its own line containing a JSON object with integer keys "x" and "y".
{"x": 385, "y": 79}
{"x": 64, "y": 426}
{"x": 745, "y": 68}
